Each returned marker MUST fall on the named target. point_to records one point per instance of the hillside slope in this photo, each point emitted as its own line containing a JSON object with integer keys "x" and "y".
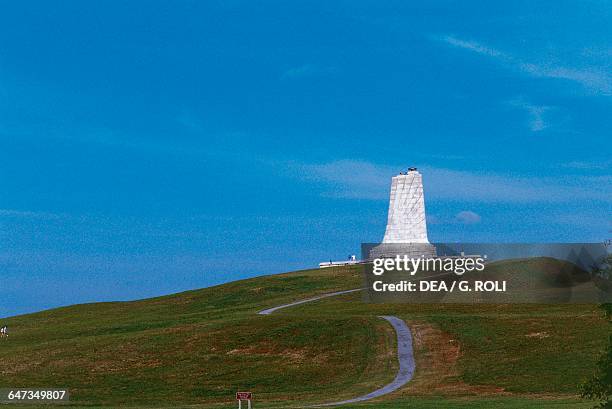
{"x": 199, "y": 347}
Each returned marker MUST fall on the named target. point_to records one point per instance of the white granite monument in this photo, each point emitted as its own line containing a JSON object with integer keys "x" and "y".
{"x": 406, "y": 231}
{"x": 406, "y": 221}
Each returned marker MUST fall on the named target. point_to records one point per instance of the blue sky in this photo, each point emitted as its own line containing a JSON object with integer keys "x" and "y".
{"x": 154, "y": 147}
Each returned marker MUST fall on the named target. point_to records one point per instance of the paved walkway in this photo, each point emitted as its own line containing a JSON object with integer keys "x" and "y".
{"x": 405, "y": 353}
{"x": 405, "y": 357}
{"x": 318, "y": 297}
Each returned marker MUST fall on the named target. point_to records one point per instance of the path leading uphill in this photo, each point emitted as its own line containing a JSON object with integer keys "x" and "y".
{"x": 318, "y": 297}
{"x": 405, "y": 353}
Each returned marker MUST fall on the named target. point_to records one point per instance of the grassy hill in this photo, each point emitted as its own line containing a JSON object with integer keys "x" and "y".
{"x": 199, "y": 347}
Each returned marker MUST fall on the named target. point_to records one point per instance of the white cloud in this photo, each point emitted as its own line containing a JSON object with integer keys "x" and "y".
{"x": 595, "y": 79}
{"x": 588, "y": 165}
{"x": 536, "y": 113}
{"x": 467, "y": 217}
{"x": 474, "y": 46}
{"x": 351, "y": 179}
{"x": 28, "y": 214}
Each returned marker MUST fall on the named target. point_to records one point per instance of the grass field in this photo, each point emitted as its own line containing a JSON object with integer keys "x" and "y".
{"x": 197, "y": 348}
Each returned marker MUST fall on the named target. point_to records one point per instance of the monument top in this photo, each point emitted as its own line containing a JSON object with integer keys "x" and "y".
{"x": 409, "y": 170}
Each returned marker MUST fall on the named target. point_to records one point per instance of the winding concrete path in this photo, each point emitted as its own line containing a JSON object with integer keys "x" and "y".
{"x": 318, "y": 297}
{"x": 405, "y": 353}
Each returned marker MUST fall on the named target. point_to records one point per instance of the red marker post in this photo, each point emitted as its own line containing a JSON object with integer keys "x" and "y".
{"x": 240, "y": 396}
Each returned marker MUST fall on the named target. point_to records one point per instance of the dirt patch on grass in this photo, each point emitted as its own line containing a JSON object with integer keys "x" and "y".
{"x": 437, "y": 373}
{"x": 293, "y": 355}
{"x": 538, "y": 335}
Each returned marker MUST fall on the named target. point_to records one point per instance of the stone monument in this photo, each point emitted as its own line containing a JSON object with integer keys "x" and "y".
{"x": 406, "y": 232}
{"x": 406, "y": 221}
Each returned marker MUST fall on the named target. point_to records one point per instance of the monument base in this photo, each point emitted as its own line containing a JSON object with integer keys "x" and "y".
{"x": 411, "y": 250}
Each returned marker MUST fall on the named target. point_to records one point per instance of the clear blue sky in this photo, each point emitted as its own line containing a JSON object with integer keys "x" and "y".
{"x": 153, "y": 147}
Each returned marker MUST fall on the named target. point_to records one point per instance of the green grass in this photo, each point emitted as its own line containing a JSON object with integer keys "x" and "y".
{"x": 413, "y": 403}
{"x": 471, "y": 403}
{"x": 528, "y": 354}
{"x": 199, "y": 347}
